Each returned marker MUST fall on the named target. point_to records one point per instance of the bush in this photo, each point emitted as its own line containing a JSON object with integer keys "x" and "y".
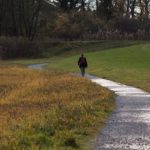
{"x": 17, "y": 48}
{"x": 12, "y": 47}
{"x": 75, "y": 26}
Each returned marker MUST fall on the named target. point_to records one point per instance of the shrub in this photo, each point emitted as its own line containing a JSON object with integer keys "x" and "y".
{"x": 12, "y": 47}
{"x": 18, "y": 48}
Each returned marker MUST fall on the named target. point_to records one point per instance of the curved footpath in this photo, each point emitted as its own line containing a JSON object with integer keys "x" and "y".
{"x": 128, "y": 128}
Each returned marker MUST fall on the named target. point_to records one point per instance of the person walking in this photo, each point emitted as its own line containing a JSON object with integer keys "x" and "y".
{"x": 82, "y": 63}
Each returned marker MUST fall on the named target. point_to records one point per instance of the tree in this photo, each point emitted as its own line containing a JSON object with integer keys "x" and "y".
{"x": 19, "y": 17}
{"x": 119, "y": 7}
{"x": 66, "y": 5}
{"x": 132, "y": 7}
{"x": 72, "y": 5}
{"x": 105, "y": 8}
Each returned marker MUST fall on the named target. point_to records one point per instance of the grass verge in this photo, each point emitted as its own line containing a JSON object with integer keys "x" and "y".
{"x": 128, "y": 65}
{"x": 49, "y": 110}
{"x": 18, "y": 48}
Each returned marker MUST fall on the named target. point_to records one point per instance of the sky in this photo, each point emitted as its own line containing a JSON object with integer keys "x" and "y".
{"x": 92, "y": 3}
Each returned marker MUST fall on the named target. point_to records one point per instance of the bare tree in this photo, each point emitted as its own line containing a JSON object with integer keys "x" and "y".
{"x": 19, "y": 17}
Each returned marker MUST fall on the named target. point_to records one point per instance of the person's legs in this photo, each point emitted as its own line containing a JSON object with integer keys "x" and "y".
{"x": 82, "y": 71}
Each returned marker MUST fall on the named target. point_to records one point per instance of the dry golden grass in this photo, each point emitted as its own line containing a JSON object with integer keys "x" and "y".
{"x": 48, "y": 110}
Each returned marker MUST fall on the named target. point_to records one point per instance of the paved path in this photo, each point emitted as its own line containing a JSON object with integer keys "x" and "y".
{"x": 37, "y": 66}
{"x": 129, "y": 126}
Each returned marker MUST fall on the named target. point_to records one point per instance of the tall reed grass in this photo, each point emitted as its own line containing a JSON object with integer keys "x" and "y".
{"x": 48, "y": 110}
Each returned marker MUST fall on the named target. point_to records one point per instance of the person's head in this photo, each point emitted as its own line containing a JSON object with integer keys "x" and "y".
{"x": 82, "y": 55}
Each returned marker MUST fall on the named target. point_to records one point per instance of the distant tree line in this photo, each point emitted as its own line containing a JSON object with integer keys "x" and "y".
{"x": 75, "y": 19}
{"x": 99, "y": 19}
{"x": 109, "y": 8}
{"x": 48, "y": 22}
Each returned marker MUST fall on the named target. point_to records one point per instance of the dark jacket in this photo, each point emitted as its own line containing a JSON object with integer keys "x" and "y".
{"x": 82, "y": 62}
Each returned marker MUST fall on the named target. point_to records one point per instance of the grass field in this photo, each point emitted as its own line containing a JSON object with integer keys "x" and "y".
{"x": 129, "y": 65}
{"x": 71, "y": 48}
{"x": 49, "y": 110}
{"x": 76, "y": 47}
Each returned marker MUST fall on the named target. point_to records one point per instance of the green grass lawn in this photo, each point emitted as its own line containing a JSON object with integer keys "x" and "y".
{"x": 76, "y": 47}
{"x": 127, "y": 62}
{"x": 70, "y": 48}
{"x": 129, "y": 65}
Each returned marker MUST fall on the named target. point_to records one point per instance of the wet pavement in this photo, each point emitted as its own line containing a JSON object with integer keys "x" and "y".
{"x": 128, "y": 128}
{"x": 37, "y": 66}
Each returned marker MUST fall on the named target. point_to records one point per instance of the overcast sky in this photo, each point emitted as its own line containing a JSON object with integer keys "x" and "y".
{"x": 92, "y": 3}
